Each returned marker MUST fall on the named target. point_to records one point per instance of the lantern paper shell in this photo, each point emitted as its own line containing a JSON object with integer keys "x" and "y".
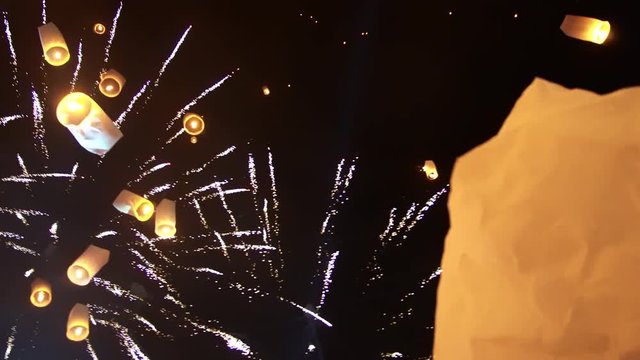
{"x": 166, "y": 218}
{"x": 88, "y": 123}
{"x": 430, "y": 170}
{"x": 99, "y": 29}
{"x": 78, "y": 323}
{"x": 542, "y": 258}
{"x": 111, "y": 83}
{"x": 54, "y": 47}
{"x": 40, "y": 293}
{"x": 135, "y": 205}
{"x": 193, "y": 124}
{"x": 586, "y": 28}
{"x": 87, "y": 265}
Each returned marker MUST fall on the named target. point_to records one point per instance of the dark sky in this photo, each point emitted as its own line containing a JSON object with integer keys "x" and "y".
{"x": 391, "y": 83}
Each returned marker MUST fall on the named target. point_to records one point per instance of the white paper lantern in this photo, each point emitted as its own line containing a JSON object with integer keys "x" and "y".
{"x": 135, "y": 205}
{"x": 166, "y": 218}
{"x": 586, "y": 28}
{"x": 78, "y": 323}
{"x": 54, "y": 47}
{"x": 87, "y": 265}
{"x": 111, "y": 83}
{"x": 40, "y": 293}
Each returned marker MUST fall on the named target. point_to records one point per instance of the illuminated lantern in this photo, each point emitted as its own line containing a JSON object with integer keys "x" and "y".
{"x": 266, "y": 91}
{"x": 585, "y": 28}
{"x": 132, "y": 204}
{"x": 99, "y": 29}
{"x": 40, "y": 293}
{"x": 87, "y": 265}
{"x": 193, "y": 125}
{"x": 111, "y": 83}
{"x": 88, "y": 123}
{"x": 78, "y": 323}
{"x": 429, "y": 168}
{"x": 54, "y": 47}
{"x": 166, "y": 218}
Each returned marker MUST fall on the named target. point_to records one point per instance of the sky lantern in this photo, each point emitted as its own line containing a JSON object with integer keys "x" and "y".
{"x": 40, "y": 293}
{"x": 54, "y": 47}
{"x": 111, "y": 83}
{"x": 166, "y": 218}
{"x": 88, "y": 123}
{"x": 429, "y": 168}
{"x": 586, "y": 28}
{"x": 87, "y": 265}
{"x": 193, "y": 125}
{"x": 78, "y": 323}
{"x": 99, "y": 29}
{"x": 266, "y": 91}
{"x": 133, "y": 204}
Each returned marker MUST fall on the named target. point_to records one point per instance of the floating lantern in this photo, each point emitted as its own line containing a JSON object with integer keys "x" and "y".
{"x": 78, "y": 323}
{"x": 87, "y": 265}
{"x": 166, "y": 218}
{"x": 88, "y": 123}
{"x": 111, "y": 83}
{"x": 266, "y": 91}
{"x": 586, "y": 28}
{"x": 193, "y": 125}
{"x": 429, "y": 168}
{"x": 132, "y": 204}
{"x": 40, "y": 293}
{"x": 54, "y": 47}
{"x": 99, "y": 29}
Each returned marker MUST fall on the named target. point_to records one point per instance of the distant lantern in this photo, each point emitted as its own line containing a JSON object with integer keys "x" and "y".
{"x": 99, "y": 29}
{"x": 78, "y": 323}
{"x": 54, "y": 47}
{"x": 40, "y": 293}
{"x": 88, "y": 123}
{"x": 586, "y": 28}
{"x": 429, "y": 168}
{"x": 193, "y": 125}
{"x": 133, "y": 204}
{"x": 87, "y": 265}
{"x": 111, "y": 83}
{"x": 266, "y": 91}
{"x": 166, "y": 218}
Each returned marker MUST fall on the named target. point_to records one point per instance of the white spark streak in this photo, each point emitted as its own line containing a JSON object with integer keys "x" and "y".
{"x": 22, "y": 249}
{"x": 193, "y": 102}
{"x": 222, "y": 154}
{"x": 11, "y": 235}
{"x": 12, "y": 51}
{"x": 29, "y": 272}
{"x": 112, "y": 34}
{"x": 22, "y": 212}
{"x": 232, "y": 219}
{"x": 6, "y": 119}
{"x": 307, "y": 311}
{"x": 203, "y": 221}
{"x": 222, "y": 245}
{"x": 242, "y": 233}
{"x": 135, "y": 98}
{"x": 327, "y": 278}
{"x": 233, "y": 342}
{"x": 175, "y": 136}
{"x": 77, "y": 71}
{"x": 90, "y": 350}
{"x": 10, "y": 341}
{"x": 106, "y": 233}
{"x": 274, "y": 194}
{"x": 161, "y": 188}
{"x": 149, "y": 172}
{"x": 115, "y": 289}
{"x": 44, "y": 12}
{"x": 173, "y": 54}
{"x": 205, "y": 270}
{"x": 33, "y": 177}
{"x": 225, "y": 192}
{"x": 38, "y": 126}
{"x": 202, "y": 189}
{"x": 53, "y": 230}
{"x": 126, "y": 341}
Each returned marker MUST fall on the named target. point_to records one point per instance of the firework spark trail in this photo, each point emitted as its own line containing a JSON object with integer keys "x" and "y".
{"x": 166, "y": 62}
{"x": 10, "y": 341}
{"x": 112, "y": 34}
{"x": 148, "y": 325}
{"x": 22, "y": 212}
{"x": 327, "y": 279}
{"x": 21, "y": 249}
{"x": 274, "y": 195}
{"x": 115, "y": 289}
{"x": 225, "y": 192}
{"x": 243, "y": 247}
{"x": 44, "y": 12}
{"x": 215, "y": 184}
{"x": 14, "y": 59}
{"x": 74, "y": 171}
{"x": 203, "y": 221}
{"x": 204, "y": 270}
{"x": 75, "y": 73}
{"x": 232, "y": 219}
{"x": 25, "y": 172}
{"x": 11, "y": 235}
{"x": 226, "y": 152}
{"x": 106, "y": 233}
{"x": 401, "y": 225}
{"x": 233, "y": 342}
{"x": 148, "y": 172}
{"x": 29, "y": 272}
{"x": 152, "y": 272}
{"x": 430, "y": 203}
{"x": 307, "y": 311}
{"x": 22, "y": 218}
{"x": 133, "y": 350}
{"x": 222, "y": 245}
{"x": 90, "y": 350}
{"x": 340, "y": 187}
{"x": 161, "y": 188}
{"x": 242, "y": 233}
{"x": 53, "y": 230}
{"x": 34, "y": 177}
{"x": 38, "y": 126}
{"x": 193, "y": 102}
{"x": 6, "y": 119}
{"x": 135, "y": 98}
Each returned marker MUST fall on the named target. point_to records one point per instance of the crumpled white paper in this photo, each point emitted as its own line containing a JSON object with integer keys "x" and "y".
{"x": 542, "y": 260}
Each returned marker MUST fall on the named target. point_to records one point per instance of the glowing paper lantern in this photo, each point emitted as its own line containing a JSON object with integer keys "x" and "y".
{"x": 111, "y": 83}
{"x": 542, "y": 258}
{"x": 166, "y": 218}
{"x": 88, "y": 123}
{"x": 266, "y": 91}
{"x": 78, "y": 323}
{"x": 54, "y": 47}
{"x": 87, "y": 265}
{"x": 40, "y": 293}
{"x": 586, "y": 28}
{"x": 430, "y": 170}
{"x": 132, "y": 204}
{"x": 193, "y": 125}
{"x": 99, "y": 29}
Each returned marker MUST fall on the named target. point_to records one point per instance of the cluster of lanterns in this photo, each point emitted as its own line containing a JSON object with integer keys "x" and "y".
{"x": 142, "y": 209}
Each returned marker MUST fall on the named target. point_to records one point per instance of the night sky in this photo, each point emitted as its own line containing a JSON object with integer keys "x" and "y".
{"x": 384, "y": 85}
